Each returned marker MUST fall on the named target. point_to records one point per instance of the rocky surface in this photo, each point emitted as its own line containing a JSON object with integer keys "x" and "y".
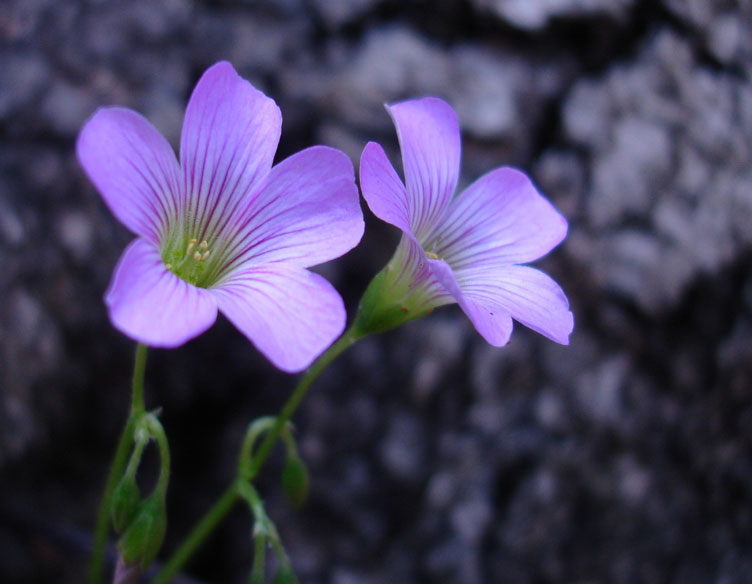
{"x": 625, "y": 457}
{"x": 536, "y": 15}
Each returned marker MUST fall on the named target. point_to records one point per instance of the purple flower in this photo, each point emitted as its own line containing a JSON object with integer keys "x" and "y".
{"x": 463, "y": 249}
{"x": 222, "y": 229}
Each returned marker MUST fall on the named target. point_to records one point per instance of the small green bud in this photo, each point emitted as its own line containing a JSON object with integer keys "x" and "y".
{"x": 295, "y": 481}
{"x": 285, "y": 575}
{"x": 143, "y": 538}
{"x": 125, "y": 501}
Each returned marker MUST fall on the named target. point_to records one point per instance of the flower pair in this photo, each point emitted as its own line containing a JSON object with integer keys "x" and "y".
{"x": 224, "y": 230}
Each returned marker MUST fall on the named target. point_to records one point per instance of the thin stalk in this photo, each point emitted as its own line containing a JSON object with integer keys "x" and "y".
{"x": 259, "y": 557}
{"x": 246, "y": 473}
{"x": 156, "y": 431}
{"x": 196, "y": 537}
{"x": 139, "y": 367}
{"x": 260, "y": 456}
{"x": 118, "y": 466}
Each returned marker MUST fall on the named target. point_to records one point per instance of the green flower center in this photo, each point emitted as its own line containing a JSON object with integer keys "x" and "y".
{"x": 189, "y": 262}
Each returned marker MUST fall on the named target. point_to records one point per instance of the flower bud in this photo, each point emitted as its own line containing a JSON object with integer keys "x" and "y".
{"x": 295, "y": 480}
{"x": 143, "y": 538}
{"x": 125, "y": 501}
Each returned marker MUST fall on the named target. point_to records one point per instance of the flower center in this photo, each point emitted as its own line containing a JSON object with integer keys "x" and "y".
{"x": 431, "y": 255}
{"x": 188, "y": 265}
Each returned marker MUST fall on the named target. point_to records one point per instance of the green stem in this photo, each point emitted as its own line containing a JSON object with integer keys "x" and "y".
{"x": 259, "y": 557}
{"x": 255, "y": 429}
{"x": 118, "y": 466}
{"x": 245, "y": 474}
{"x": 157, "y": 431}
{"x": 139, "y": 367}
{"x": 136, "y": 452}
{"x": 208, "y": 522}
{"x": 260, "y": 456}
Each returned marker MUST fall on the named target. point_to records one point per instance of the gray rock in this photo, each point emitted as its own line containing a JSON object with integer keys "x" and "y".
{"x": 336, "y": 13}
{"x": 22, "y": 79}
{"x": 497, "y": 95}
{"x": 535, "y": 14}
{"x": 439, "y": 353}
{"x": 600, "y": 392}
{"x": 402, "y": 447}
{"x": 33, "y": 350}
{"x": 257, "y": 44}
{"x": 345, "y": 576}
{"x": 471, "y": 518}
{"x": 392, "y": 63}
{"x": 670, "y": 148}
{"x": 66, "y": 107}
{"x": 488, "y": 91}
{"x": 76, "y": 234}
{"x": 629, "y": 171}
{"x": 724, "y": 26}
{"x": 12, "y": 229}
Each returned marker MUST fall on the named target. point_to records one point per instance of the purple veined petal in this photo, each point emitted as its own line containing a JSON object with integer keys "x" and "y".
{"x": 493, "y": 323}
{"x": 530, "y": 296}
{"x": 382, "y": 188}
{"x": 500, "y": 219}
{"x": 290, "y": 314}
{"x": 307, "y": 212}
{"x": 134, "y": 169}
{"x": 429, "y": 137}
{"x": 227, "y": 146}
{"x": 415, "y": 276}
{"x": 152, "y": 305}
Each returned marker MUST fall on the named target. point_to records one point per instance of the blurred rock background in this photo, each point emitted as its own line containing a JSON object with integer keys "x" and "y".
{"x": 625, "y": 457}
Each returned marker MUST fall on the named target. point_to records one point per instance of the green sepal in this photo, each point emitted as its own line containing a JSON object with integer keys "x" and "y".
{"x": 143, "y": 538}
{"x": 295, "y": 481}
{"x": 126, "y": 499}
{"x": 388, "y": 303}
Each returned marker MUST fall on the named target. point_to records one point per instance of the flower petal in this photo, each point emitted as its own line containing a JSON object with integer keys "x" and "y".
{"x": 382, "y": 188}
{"x": 308, "y": 212}
{"x": 500, "y": 219}
{"x": 152, "y": 305}
{"x": 429, "y": 136}
{"x": 227, "y": 146}
{"x": 528, "y": 295}
{"x": 134, "y": 169}
{"x": 493, "y": 324}
{"x": 290, "y": 314}
{"x": 413, "y": 276}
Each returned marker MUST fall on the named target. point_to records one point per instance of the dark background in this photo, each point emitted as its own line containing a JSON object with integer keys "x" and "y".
{"x": 435, "y": 458}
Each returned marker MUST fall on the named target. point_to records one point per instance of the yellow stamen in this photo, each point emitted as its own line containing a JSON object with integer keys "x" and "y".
{"x": 197, "y": 256}
{"x": 205, "y": 255}
{"x": 432, "y": 255}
